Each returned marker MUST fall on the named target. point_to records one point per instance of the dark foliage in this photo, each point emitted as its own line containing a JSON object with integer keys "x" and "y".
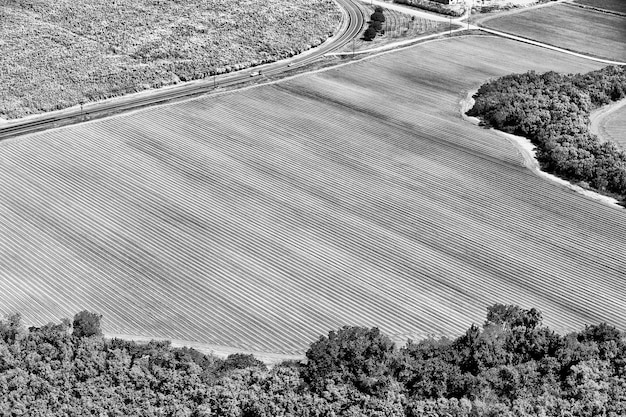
{"x": 512, "y": 365}
{"x": 87, "y": 324}
{"x": 356, "y": 356}
{"x": 376, "y": 25}
{"x": 241, "y": 361}
{"x": 552, "y": 110}
{"x": 377, "y": 17}
{"x": 369, "y": 34}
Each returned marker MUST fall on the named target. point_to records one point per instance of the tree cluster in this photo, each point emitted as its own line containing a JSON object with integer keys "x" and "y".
{"x": 552, "y": 110}
{"x": 512, "y": 365}
{"x": 433, "y": 6}
{"x": 375, "y": 24}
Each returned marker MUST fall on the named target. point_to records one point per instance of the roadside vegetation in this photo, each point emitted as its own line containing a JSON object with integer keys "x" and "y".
{"x": 396, "y": 26}
{"x": 433, "y": 6}
{"x": 55, "y": 54}
{"x": 552, "y": 110}
{"x": 511, "y": 365}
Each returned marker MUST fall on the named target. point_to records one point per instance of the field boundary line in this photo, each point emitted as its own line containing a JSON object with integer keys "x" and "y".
{"x": 397, "y": 45}
{"x": 548, "y": 46}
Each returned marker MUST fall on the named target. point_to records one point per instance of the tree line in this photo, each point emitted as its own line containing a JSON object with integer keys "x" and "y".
{"x": 552, "y": 110}
{"x": 511, "y": 365}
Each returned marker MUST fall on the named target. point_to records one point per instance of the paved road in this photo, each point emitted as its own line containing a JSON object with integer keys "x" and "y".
{"x": 351, "y": 27}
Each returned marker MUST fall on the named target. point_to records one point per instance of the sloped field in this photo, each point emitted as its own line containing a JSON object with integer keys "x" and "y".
{"x": 612, "y": 126}
{"x": 262, "y": 219}
{"x": 567, "y": 26}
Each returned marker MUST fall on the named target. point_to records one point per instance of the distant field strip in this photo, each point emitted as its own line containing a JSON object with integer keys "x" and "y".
{"x": 612, "y": 5}
{"x": 263, "y": 218}
{"x": 566, "y": 26}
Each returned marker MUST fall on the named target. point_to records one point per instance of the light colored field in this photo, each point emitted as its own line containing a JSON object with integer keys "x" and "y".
{"x": 612, "y": 5}
{"x": 55, "y": 53}
{"x": 570, "y": 27}
{"x": 610, "y": 123}
{"x": 264, "y": 218}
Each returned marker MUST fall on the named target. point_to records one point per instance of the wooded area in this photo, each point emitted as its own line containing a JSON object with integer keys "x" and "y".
{"x": 552, "y": 110}
{"x": 512, "y": 365}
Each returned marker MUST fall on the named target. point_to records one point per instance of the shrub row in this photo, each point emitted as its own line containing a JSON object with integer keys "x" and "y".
{"x": 432, "y": 6}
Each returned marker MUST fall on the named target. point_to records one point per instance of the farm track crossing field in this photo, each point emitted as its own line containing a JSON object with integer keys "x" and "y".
{"x": 570, "y": 27}
{"x": 359, "y": 196}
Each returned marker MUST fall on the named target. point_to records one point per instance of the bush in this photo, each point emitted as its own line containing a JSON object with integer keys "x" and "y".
{"x": 432, "y": 7}
{"x": 377, "y": 17}
{"x": 369, "y": 34}
{"x": 241, "y": 361}
{"x": 87, "y": 324}
{"x": 353, "y": 355}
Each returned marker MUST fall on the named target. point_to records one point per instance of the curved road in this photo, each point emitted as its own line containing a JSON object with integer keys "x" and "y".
{"x": 351, "y": 27}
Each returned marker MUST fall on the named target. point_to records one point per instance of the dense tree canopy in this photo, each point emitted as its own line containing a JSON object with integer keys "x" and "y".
{"x": 512, "y": 365}
{"x": 552, "y": 110}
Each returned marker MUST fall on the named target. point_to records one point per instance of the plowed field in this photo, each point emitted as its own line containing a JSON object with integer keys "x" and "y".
{"x": 263, "y": 218}
{"x": 567, "y": 26}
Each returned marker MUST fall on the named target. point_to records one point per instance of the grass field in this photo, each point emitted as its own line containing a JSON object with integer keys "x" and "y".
{"x": 570, "y": 27}
{"x": 360, "y": 196}
{"x": 53, "y": 54}
{"x": 612, "y": 5}
{"x": 613, "y": 125}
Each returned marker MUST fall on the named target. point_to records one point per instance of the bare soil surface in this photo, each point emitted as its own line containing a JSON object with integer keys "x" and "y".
{"x": 358, "y": 197}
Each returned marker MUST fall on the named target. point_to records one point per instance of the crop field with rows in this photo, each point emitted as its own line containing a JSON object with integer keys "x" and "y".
{"x": 360, "y": 196}
{"x": 53, "y": 54}
{"x": 570, "y": 27}
{"x": 397, "y": 26}
{"x": 612, "y": 5}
